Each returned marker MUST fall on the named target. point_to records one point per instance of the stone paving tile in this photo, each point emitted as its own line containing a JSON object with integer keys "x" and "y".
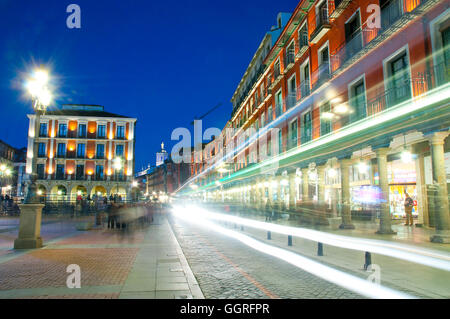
{"x": 227, "y": 269}
{"x": 99, "y": 237}
{"x": 47, "y": 267}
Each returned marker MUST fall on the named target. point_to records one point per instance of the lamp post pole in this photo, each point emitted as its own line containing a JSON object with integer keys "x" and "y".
{"x": 32, "y": 197}
{"x": 31, "y": 211}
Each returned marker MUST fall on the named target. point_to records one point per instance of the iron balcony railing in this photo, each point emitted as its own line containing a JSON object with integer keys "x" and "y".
{"x": 347, "y": 50}
{"x": 289, "y": 57}
{"x": 305, "y": 89}
{"x": 303, "y": 39}
{"x": 416, "y": 85}
{"x": 278, "y": 109}
{"x": 291, "y": 100}
{"x": 321, "y": 21}
{"x": 391, "y": 12}
{"x": 276, "y": 71}
{"x": 321, "y": 75}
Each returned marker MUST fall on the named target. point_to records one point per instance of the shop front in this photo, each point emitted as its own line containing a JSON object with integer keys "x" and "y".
{"x": 402, "y": 181}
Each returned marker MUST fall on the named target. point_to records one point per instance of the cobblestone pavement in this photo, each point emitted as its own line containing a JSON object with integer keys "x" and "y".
{"x": 143, "y": 262}
{"x": 227, "y": 269}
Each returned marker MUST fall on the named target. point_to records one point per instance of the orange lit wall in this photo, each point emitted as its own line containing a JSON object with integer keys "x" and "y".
{"x": 90, "y": 149}
{"x": 73, "y": 125}
{"x": 90, "y": 168}
{"x": 71, "y": 146}
{"x": 70, "y": 167}
{"x": 92, "y": 127}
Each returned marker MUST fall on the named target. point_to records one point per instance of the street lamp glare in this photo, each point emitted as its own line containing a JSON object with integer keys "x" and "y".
{"x": 45, "y": 97}
{"x": 117, "y": 163}
{"x": 41, "y": 76}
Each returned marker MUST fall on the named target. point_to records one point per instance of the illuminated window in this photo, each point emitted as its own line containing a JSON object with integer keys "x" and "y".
{"x": 43, "y": 130}
{"x": 62, "y": 132}
{"x": 41, "y": 150}
{"x": 82, "y": 130}
{"x": 120, "y": 131}
{"x": 101, "y": 132}
{"x": 100, "y": 151}
{"x": 81, "y": 150}
{"x": 306, "y": 127}
{"x": 61, "y": 150}
{"x": 119, "y": 150}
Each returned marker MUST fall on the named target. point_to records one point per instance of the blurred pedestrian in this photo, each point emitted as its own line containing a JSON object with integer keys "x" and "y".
{"x": 269, "y": 210}
{"x": 409, "y": 204}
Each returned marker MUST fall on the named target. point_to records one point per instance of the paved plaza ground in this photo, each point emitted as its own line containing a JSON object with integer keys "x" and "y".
{"x": 140, "y": 263}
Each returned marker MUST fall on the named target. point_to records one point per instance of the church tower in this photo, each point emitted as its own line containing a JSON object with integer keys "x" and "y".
{"x": 161, "y": 156}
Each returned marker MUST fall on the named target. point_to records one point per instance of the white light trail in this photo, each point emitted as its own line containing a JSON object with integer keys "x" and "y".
{"x": 421, "y": 256}
{"x": 353, "y": 283}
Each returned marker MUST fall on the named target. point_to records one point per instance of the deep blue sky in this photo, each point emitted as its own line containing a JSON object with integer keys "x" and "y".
{"x": 163, "y": 62}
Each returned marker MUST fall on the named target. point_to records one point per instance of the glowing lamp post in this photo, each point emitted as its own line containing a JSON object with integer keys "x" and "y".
{"x": 41, "y": 98}
{"x": 31, "y": 211}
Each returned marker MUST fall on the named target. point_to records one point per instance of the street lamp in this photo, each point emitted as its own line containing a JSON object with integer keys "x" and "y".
{"x": 41, "y": 98}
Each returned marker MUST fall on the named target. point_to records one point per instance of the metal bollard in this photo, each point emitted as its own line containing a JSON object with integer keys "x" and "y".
{"x": 289, "y": 240}
{"x": 269, "y": 235}
{"x": 368, "y": 260}
{"x": 319, "y": 249}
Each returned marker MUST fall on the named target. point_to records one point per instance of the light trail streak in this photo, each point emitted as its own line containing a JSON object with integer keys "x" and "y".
{"x": 353, "y": 283}
{"x": 425, "y": 257}
{"x": 413, "y": 105}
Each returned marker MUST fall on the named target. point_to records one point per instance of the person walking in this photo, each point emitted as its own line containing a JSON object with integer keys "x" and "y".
{"x": 409, "y": 204}
{"x": 269, "y": 210}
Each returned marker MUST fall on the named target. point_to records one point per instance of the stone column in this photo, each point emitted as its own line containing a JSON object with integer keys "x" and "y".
{"x": 321, "y": 183}
{"x": 345, "y": 198}
{"x": 442, "y": 217}
{"x": 292, "y": 191}
{"x": 30, "y": 227}
{"x": 279, "y": 188}
{"x": 305, "y": 184}
{"x": 270, "y": 190}
{"x": 385, "y": 214}
{"x": 421, "y": 190}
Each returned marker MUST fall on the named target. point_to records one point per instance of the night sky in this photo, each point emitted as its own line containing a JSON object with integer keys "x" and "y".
{"x": 163, "y": 62}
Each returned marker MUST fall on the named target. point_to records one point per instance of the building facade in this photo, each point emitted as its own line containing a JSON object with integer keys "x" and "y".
{"x": 166, "y": 177}
{"x": 7, "y": 176}
{"x": 351, "y": 108}
{"x": 82, "y": 150}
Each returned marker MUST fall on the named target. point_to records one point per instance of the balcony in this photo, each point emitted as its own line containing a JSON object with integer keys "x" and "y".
{"x": 321, "y": 75}
{"x": 291, "y": 100}
{"x": 337, "y": 7}
{"x": 302, "y": 43}
{"x": 392, "y": 20}
{"x": 347, "y": 50}
{"x": 305, "y": 89}
{"x": 289, "y": 59}
{"x": 322, "y": 25}
{"x": 278, "y": 110}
